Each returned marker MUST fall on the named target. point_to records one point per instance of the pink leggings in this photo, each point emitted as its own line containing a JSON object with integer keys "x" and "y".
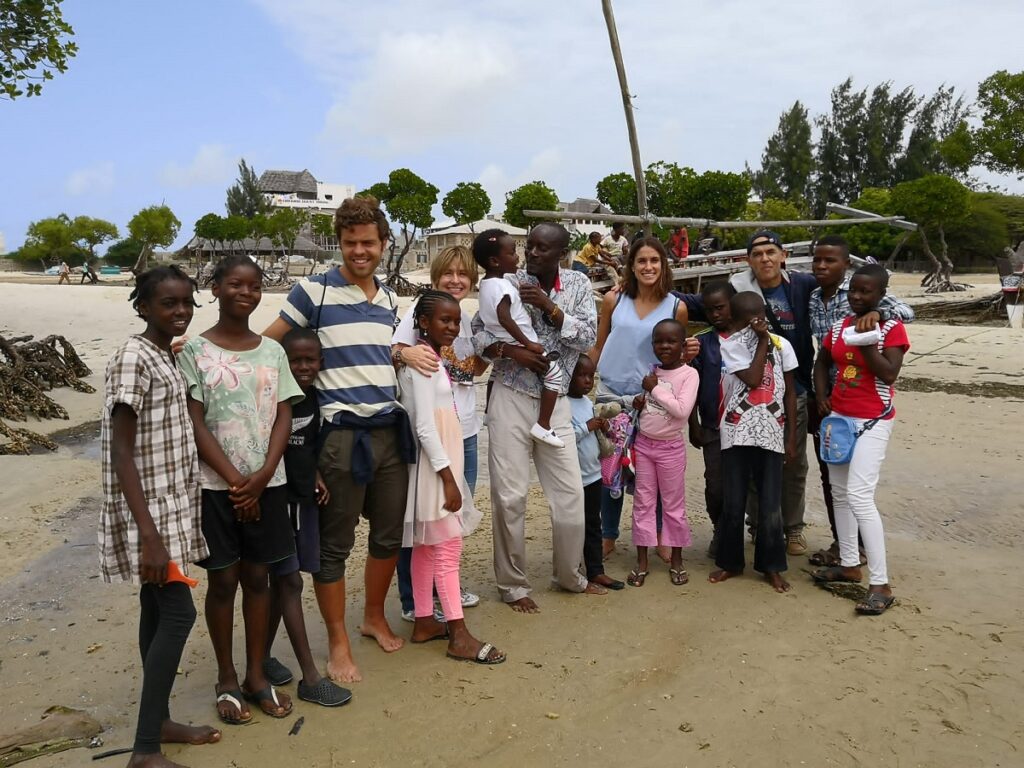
{"x": 437, "y": 564}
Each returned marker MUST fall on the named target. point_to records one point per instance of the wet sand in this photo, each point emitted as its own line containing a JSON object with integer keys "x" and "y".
{"x": 709, "y": 675}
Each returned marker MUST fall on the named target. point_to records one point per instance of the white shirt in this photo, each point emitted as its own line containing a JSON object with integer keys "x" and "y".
{"x": 492, "y": 291}
{"x": 461, "y": 375}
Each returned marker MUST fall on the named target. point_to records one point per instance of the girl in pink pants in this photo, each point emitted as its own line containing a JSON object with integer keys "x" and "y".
{"x": 434, "y": 510}
{"x": 660, "y": 453}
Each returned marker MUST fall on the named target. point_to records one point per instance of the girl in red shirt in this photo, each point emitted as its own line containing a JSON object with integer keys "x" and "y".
{"x": 863, "y": 390}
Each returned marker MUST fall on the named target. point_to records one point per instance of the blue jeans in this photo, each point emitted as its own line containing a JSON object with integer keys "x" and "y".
{"x": 611, "y": 514}
{"x": 470, "y": 458}
{"x": 579, "y": 266}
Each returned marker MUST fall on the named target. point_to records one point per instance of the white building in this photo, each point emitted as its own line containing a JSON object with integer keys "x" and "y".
{"x": 300, "y": 189}
{"x": 463, "y": 234}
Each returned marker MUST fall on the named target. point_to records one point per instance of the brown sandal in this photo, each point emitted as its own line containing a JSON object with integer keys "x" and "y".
{"x": 678, "y": 576}
{"x": 636, "y": 578}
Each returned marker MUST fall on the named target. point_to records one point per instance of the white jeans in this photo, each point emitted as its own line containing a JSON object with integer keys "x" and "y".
{"x": 853, "y": 493}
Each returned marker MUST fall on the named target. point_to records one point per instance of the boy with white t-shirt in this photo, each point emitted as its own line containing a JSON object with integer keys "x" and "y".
{"x": 504, "y": 316}
{"x": 758, "y": 397}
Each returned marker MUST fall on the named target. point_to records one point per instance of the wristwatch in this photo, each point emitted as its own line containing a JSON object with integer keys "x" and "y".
{"x": 396, "y": 358}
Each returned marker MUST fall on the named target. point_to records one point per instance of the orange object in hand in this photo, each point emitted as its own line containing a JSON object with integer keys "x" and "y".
{"x": 174, "y": 573}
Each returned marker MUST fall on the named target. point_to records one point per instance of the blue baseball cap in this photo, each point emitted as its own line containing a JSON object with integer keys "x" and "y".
{"x": 764, "y": 237}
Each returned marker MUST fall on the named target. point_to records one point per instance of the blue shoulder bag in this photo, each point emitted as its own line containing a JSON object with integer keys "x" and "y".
{"x": 839, "y": 436}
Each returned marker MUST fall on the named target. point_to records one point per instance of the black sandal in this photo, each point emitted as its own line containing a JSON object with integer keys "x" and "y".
{"x": 832, "y": 574}
{"x": 875, "y": 604}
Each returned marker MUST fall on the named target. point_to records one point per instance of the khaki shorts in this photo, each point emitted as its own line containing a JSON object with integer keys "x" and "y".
{"x": 381, "y": 503}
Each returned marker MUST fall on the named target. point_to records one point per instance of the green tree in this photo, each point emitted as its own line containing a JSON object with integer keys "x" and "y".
{"x": 788, "y": 159}
{"x": 409, "y": 201}
{"x": 939, "y": 140}
{"x": 877, "y": 240}
{"x": 1000, "y": 138}
{"x": 89, "y": 232}
{"x": 34, "y": 43}
{"x": 322, "y": 227}
{"x": 618, "y": 192}
{"x": 153, "y": 226}
{"x": 244, "y": 197}
{"x": 235, "y": 229}
{"x": 936, "y": 203}
{"x": 980, "y": 236}
{"x": 534, "y": 196}
{"x": 210, "y": 228}
{"x": 50, "y": 241}
{"x": 466, "y": 203}
{"x": 123, "y": 253}
{"x": 1012, "y": 209}
{"x": 771, "y": 209}
{"x": 718, "y": 195}
{"x": 285, "y": 225}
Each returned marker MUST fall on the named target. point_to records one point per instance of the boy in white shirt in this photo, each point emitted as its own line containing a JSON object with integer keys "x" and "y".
{"x": 758, "y": 397}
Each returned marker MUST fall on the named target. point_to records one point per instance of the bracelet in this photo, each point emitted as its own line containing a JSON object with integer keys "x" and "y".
{"x": 396, "y": 357}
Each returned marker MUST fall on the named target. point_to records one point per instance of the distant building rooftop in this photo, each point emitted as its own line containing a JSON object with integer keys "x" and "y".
{"x": 287, "y": 182}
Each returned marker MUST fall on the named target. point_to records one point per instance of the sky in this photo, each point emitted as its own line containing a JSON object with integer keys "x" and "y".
{"x": 164, "y": 98}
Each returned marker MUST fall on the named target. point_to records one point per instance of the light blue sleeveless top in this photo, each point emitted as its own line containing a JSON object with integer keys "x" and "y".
{"x": 627, "y": 355}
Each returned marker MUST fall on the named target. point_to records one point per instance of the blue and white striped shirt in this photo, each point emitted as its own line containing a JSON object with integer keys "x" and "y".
{"x": 357, "y": 374}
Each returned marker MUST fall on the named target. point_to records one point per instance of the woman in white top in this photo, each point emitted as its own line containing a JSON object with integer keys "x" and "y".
{"x": 453, "y": 271}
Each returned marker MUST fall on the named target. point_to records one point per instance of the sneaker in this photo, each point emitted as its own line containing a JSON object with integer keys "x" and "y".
{"x": 410, "y": 616}
{"x": 796, "y": 544}
{"x": 469, "y": 600}
{"x": 546, "y": 436}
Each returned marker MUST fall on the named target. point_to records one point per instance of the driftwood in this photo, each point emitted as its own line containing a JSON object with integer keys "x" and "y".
{"x": 62, "y": 728}
{"x": 28, "y": 370}
{"x": 402, "y": 286}
{"x": 975, "y": 310}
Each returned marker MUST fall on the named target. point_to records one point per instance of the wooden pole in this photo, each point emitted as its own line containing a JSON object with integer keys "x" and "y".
{"x": 627, "y": 105}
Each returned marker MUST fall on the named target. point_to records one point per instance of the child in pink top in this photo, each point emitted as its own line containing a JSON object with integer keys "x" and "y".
{"x": 660, "y": 453}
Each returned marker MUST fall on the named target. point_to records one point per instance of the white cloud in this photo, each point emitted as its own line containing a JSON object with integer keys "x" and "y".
{"x": 93, "y": 180}
{"x": 456, "y": 88}
{"x": 211, "y": 165}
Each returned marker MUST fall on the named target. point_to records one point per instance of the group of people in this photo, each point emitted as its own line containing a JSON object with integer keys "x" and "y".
{"x": 606, "y": 254}
{"x": 254, "y": 456}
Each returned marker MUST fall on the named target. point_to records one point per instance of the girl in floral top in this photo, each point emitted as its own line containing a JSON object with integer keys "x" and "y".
{"x": 149, "y": 527}
{"x": 240, "y": 389}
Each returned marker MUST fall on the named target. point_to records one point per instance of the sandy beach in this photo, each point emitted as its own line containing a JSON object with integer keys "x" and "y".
{"x": 704, "y": 675}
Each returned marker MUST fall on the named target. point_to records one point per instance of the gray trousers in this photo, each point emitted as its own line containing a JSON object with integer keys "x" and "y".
{"x": 794, "y": 478}
{"x": 510, "y": 415}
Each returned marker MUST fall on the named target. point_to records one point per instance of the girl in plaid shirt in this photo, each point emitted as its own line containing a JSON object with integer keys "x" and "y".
{"x": 150, "y": 527}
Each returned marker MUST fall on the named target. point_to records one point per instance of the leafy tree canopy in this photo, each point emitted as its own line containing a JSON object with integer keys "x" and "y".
{"x": 244, "y": 197}
{"x": 466, "y": 203}
{"x": 788, "y": 159}
{"x": 153, "y": 226}
{"x": 34, "y": 43}
{"x": 534, "y": 196}
{"x": 1000, "y": 138}
{"x": 50, "y": 241}
{"x": 210, "y": 227}
{"x": 89, "y": 232}
{"x": 618, "y": 192}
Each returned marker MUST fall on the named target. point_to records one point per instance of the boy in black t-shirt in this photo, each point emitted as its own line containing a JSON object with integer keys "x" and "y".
{"x": 306, "y": 492}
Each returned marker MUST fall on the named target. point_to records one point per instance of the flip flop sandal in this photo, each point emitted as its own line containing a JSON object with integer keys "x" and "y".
{"x": 325, "y": 693}
{"x": 276, "y": 672}
{"x": 636, "y": 578}
{"x": 875, "y": 604}
{"x": 481, "y": 656}
{"x": 234, "y": 698}
{"x": 678, "y": 576}
{"x": 267, "y": 694}
{"x": 832, "y": 574}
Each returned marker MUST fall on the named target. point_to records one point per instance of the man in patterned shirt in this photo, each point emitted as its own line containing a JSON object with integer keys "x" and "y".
{"x": 561, "y": 305}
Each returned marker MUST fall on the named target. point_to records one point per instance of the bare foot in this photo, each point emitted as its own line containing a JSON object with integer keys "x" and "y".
{"x": 428, "y": 628}
{"x": 665, "y": 553}
{"x": 380, "y": 631}
{"x": 524, "y": 605}
{"x": 341, "y": 667}
{"x": 153, "y": 760}
{"x": 179, "y": 733}
{"x": 721, "y": 575}
{"x": 778, "y": 583}
{"x": 593, "y": 588}
{"x": 607, "y": 547}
